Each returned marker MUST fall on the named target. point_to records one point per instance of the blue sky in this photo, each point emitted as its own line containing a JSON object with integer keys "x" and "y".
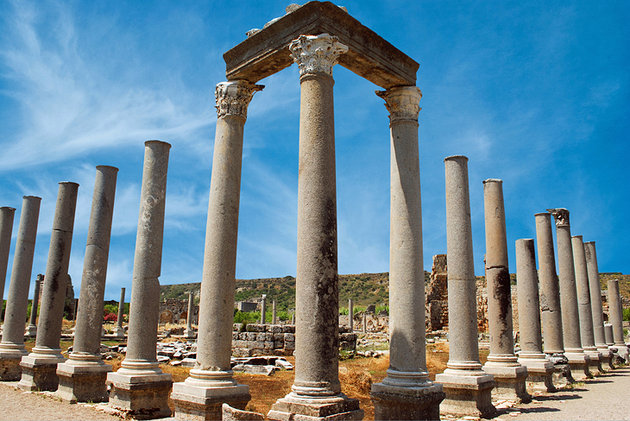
{"x": 536, "y": 93}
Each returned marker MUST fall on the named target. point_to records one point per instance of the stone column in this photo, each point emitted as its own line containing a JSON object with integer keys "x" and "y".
{"x": 31, "y": 329}
{"x": 539, "y": 368}
{"x": 608, "y": 331}
{"x": 578, "y": 360}
{"x": 119, "y": 331}
{"x": 12, "y": 347}
{"x": 6, "y": 228}
{"x": 40, "y": 366}
{"x": 82, "y": 377}
{"x": 139, "y": 387}
{"x": 351, "y": 315}
{"x": 595, "y": 290}
{"x": 406, "y": 393}
{"x": 211, "y": 382}
{"x": 502, "y": 363}
{"x": 468, "y": 388}
{"x": 316, "y": 390}
{"x": 189, "y": 333}
{"x": 584, "y": 304}
{"x": 263, "y": 310}
{"x": 274, "y": 315}
{"x": 364, "y": 320}
{"x": 615, "y": 315}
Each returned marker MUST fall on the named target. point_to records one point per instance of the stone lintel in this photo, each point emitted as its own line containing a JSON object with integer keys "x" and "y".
{"x": 369, "y": 55}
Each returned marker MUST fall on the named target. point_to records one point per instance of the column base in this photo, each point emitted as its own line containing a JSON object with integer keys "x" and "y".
{"x": 407, "y": 403}
{"x": 39, "y": 370}
{"x": 294, "y": 407}
{"x": 232, "y": 414}
{"x": 539, "y": 374}
{"x": 606, "y": 359}
{"x": 10, "y": 357}
{"x": 510, "y": 381}
{"x": 622, "y": 353}
{"x": 31, "y": 331}
{"x": 594, "y": 364}
{"x": 468, "y": 392}
{"x": 140, "y": 393}
{"x": 201, "y": 396}
{"x": 579, "y": 363}
{"x": 83, "y": 381}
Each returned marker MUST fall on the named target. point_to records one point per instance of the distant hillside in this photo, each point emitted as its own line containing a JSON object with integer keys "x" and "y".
{"x": 364, "y": 289}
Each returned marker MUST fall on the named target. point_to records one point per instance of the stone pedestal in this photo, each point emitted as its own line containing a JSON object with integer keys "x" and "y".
{"x": 39, "y": 367}
{"x": 406, "y": 393}
{"x": 139, "y": 388}
{"x": 467, "y": 387}
{"x": 578, "y": 361}
{"x": 316, "y": 392}
{"x": 31, "y": 329}
{"x": 119, "y": 330}
{"x": 82, "y": 377}
{"x": 12, "y": 347}
{"x": 539, "y": 367}
{"x": 502, "y": 363}
{"x": 211, "y": 383}
{"x": 597, "y": 313}
{"x": 616, "y": 320}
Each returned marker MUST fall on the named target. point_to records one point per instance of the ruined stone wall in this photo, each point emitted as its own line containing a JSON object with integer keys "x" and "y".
{"x": 173, "y": 310}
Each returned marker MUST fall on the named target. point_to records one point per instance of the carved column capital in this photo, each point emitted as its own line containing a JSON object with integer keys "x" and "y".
{"x": 316, "y": 53}
{"x": 402, "y": 102}
{"x": 561, "y": 217}
{"x": 234, "y": 97}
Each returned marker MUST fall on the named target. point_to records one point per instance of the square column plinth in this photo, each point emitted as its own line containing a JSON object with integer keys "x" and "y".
{"x": 579, "y": 363}
{"x": 39, "y": 370}
{"x": 539, "y": 374}
{"x": 83, "y": 381}
{"x": 140, "y": 394}
{"x": 467, "y": 392}
{"x": 10, "y": 357}
{"x": 407, "y": 403}
{"x": 197, "y": 399}
{"x": 295, "y": 407}
{"x": 510, "y": 381}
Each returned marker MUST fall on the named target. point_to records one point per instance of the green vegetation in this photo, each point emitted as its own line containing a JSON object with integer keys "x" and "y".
{"x": 626, "y": 314}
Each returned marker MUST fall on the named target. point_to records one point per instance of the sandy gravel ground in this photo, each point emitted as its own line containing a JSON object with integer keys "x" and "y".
{"x": 603, "y": 398}
{"x": 25, "y": 406}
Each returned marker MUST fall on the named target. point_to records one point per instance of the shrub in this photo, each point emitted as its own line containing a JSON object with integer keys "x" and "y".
{"x": 110, "y": 317}
{"x": 626, "y": 314}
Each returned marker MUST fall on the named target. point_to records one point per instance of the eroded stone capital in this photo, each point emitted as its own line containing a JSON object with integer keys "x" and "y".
{"x": 561, "y": 216}
{"x": 316, "y": 53}
{"x": 234, "y": 97}
{"x": 402, "y": 102}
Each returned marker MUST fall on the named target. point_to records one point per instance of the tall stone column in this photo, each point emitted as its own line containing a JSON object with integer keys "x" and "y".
{"x": 595, "y": 290}
{"x": 82, "y": 377}
{"x": 468, "y": 388}
{"x": 12, "y": 347}
{"x": 578, "y": 360}
{"x": 406, "y": 393}
{"x": 274, "y": 314}
{"x": 351, "y": 315}
{"x": 615, "y": 315}
{"x": 139, "y": 387}
{"x": 6, "y": 228}
{"x": 539, "y": 368}
{"x": 119, "y": 331}
{"x": 263, "y": 310}
{"x": 316, "y": 390}
{"x": 608, "y": 331}
{"x": 31, "y": 329}
{"x": 502, "y": 363}
{"x": 40, "y": 366}
{"x": 211, "y": 382}
{"x": 189, "y": 333}
{"x": 584, "y": 304}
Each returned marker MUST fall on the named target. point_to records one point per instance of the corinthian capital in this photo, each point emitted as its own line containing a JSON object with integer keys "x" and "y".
{"x": 316, "y": 53}
{"x": 234, "y": 97}
{"x": 561, "y": 215}
{"x": 402, "y": 102}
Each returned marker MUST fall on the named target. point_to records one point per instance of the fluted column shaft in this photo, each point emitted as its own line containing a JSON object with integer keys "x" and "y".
{"x": 56, "y": 278}
{"x": 551, "y": 313}
{"x": 583, "y": 294}
{"x": 6, "y": 228}
{"x": 87, "y": 337}
{"x": 15, "y": 313}
{"x": 595, "y": 290}
{"x": 145, "y": 288}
